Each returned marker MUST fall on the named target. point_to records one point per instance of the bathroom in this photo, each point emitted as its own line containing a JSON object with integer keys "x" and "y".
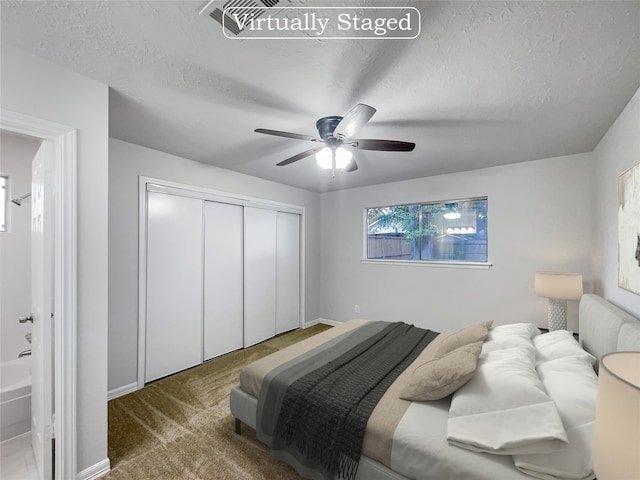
{"x": 16, "y": 153}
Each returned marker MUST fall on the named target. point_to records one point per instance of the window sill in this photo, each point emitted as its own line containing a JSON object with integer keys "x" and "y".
{"x": 423, "y": 263}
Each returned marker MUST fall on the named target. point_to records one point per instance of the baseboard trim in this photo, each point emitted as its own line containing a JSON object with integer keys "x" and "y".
{"x": 95, "y": 471}
{"x": 123, "y": 390}
{"x": 325, "y": 321}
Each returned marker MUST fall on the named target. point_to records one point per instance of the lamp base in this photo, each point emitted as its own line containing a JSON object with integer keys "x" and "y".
{"x": 557, "y": 314}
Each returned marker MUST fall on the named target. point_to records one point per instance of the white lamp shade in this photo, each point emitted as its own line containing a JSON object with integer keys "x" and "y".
{"x": 561, "y": 286}
{"x": 616, "y": 445}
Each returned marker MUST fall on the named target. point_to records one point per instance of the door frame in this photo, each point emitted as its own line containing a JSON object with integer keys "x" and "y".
{"x": 175, "y": 188}
{"x": 64, "y": 183}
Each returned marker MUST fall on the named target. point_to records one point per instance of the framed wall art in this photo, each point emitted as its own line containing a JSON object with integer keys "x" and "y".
{"x": 629, "y": 230}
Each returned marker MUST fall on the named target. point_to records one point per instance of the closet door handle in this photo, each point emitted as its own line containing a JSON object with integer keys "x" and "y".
{"x": 26, "y": 319}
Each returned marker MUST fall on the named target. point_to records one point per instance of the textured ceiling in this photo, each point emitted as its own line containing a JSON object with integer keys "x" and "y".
{"x": 484, "y": 84}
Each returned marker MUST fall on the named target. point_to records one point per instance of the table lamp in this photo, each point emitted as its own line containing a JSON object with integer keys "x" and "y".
{"x": 616, "y": 437}
{"x": 558, "y": 288}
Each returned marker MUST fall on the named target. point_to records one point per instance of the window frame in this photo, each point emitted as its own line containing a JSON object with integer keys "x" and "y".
{"x": 423, "y": 263}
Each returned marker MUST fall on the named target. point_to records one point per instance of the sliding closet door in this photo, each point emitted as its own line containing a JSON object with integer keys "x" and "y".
{"x": 259, "y": 275}
{"x": 287, "y": 272}
{"x": 174, "y": 284}
{"x": 223, "y": 279}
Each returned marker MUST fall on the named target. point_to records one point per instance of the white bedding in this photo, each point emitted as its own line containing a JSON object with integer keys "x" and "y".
{"x": 535, "y": 401}
{"x": 506, "y": 403}
{"x": 504, "y": 409}
{"x": 421, "y": 452}
{"x": 531, "y": 403}
{"x": 573, "y": 385}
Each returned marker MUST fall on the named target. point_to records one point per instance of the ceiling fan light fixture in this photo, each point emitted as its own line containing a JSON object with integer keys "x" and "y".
{"x": 343, "y": 157}
{"x": 324, "y": 158}
{"x": 336, "y": 132}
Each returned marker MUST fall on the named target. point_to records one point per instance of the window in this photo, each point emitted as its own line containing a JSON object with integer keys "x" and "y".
{"x": 451, "y": 231}
{"x": 4, "y": 202}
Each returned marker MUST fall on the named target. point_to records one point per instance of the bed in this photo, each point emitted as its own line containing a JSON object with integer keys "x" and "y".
{"x": 453, "y": 437}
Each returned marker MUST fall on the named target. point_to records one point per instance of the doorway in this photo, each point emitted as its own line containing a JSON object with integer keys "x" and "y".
{"x": 16, "y": 158}
{"x": 60, "y": 176}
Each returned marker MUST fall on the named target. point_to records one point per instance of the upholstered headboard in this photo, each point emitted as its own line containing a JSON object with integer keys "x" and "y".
{"x": 606, "y": 328}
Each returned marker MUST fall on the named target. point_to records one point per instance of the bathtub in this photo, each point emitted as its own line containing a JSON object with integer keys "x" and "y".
{"x": 15, "y": 398}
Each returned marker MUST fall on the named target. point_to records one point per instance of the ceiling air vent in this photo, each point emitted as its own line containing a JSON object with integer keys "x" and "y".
{"x": 230, "y": 24}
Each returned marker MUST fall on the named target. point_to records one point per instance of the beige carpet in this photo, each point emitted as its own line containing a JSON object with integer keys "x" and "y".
{"x": 180, "y": 427}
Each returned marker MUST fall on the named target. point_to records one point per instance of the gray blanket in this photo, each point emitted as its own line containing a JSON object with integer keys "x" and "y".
{"x": 313, "y": 410}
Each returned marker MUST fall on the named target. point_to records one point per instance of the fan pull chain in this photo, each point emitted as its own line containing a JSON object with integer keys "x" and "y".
{"x": 333, "y": 163}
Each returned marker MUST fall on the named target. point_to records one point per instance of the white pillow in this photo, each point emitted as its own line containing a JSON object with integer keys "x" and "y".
{"x": 573, "y": 385}
{"x": 509, "y": 336}
{"x": 504, "y": 408}
{"x": 558, "y": 344}
{"x": 527, "y": 330}
{"x": 507, "y": 343}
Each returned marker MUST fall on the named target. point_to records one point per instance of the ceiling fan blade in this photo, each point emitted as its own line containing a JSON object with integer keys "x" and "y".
{"x": 382, "y": 145}
{"x": 299, "y": 156}
{"x": 278, "y": 133}
{"x": 353, "y": 121}
{"x": 352, "y": 167}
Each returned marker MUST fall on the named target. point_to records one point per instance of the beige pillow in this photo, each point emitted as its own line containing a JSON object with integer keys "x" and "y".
{"x": 477, "y": 332}
{"x": 442, "y": 376}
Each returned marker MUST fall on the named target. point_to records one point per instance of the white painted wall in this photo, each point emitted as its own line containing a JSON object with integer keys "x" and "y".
{"x": 36, "y": 87}
{"x": 618, "y": 151}
{"x": 126, "y": 163}
{"x": 16, "y": 154}
{"x": 539, "y": 219}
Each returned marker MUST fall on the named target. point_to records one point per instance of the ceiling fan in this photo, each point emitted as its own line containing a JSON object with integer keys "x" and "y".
{"x": 335, "y": 134}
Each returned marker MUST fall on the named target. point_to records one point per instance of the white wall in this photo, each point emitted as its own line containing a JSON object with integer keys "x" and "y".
{"x": 16, "y": 154}
{"x": 126, "y": 163}
{"x": 539, "y": 219}
{"x": 618, "y": 151}
{"x": 36, "y": 87}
